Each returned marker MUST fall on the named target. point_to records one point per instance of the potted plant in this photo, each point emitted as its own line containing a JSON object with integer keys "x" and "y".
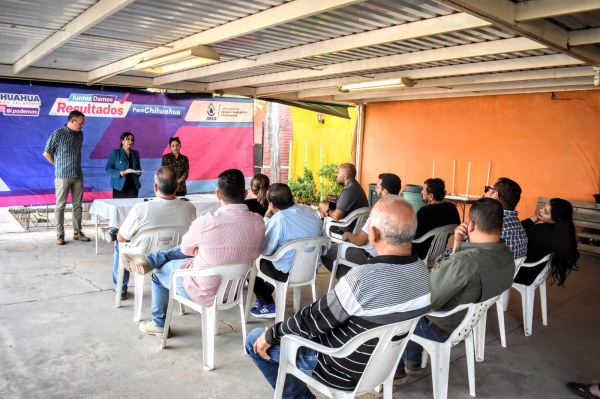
{"x": 329, "y": 185}
{"x": 304, "y": 189}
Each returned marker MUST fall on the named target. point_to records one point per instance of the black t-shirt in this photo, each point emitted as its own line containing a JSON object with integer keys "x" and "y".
{"x": 428, "y": 218}
{"x": 351, "y": 198}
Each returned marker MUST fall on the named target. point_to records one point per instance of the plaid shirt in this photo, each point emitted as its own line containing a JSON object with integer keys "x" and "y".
{"x": 514, "y": 235}
{"x": 65, "y": 146}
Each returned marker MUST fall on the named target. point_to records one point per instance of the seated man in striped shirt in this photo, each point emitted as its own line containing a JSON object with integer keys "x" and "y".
{"x": 391, "y": 287}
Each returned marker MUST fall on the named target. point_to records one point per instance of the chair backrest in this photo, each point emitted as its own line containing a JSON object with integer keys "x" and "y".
{"x": 438, "y": 244}
{"x": 475, "y": 311}
{"x": 386, "y": 355}
{"x": 155, "y": 240}
{"x": 518, "y": 263}
{"x": 541, "y": 277}
{"x": 306, "y": 259}
{"x": 358, "y": 217}
{"x": 233, "y": 278}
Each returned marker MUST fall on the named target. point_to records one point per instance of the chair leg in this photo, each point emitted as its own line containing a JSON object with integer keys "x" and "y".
{"x": 243, "y": 322}
{"x": 181, "y": 308}
{"x": 543, "y": 303}
{"x": 470, "y": 363}
{"x": 388, "y": 387}
{"x": 501, "y": 328}
{"x": 440, "y": 366}
{"x": 528, "y": 310}
{"x": 250, "y": 291}
{"x": 314, "y": 291}
{"x": 505, "y": 297}
{"x": 139, "y": 296}
{"x": 478, "y": 335}
{"x": 280, "y": 299}
{"x": 333, "y": 273}
{"x": 208, "y": 337}
{"x": 167, "y": 322}
{"x": 296, "y": 292}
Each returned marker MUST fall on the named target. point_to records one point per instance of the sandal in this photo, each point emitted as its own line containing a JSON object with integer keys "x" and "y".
{"x": 582, "y": 390}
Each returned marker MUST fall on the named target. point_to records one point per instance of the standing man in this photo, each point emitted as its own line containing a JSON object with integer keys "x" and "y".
{"x": 63, "y": 150}
{"x": 285, "y": 221}
{"x": 437, "y": 213}
{"x": 508, "y": 192}
{"x": 392, "y": 287}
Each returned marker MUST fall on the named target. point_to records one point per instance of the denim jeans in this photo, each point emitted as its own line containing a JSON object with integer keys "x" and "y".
{"x": 413, "y": 352}
{"x": 293, "y": 388}
{"x": 116, "y": 271}
{"x": 159, "y": 258}
{"x": 160, "y": 290}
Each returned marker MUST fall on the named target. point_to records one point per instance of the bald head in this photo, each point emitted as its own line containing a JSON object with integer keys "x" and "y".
{"x": 394, "y": 220}
{"x": 348, "y": 169}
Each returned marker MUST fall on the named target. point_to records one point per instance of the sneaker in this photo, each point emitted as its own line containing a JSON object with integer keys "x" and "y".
{"x": 148, "y": 327}
{"x": 400, "y": 378}
{"x": 60, "y": 240}
{"x": 109, "y": 234}
{"x": 264, "y": 311}
{"x": 136, "y": 263}
{"x": 80, "y": 236}
{"x": 413, "y": 369}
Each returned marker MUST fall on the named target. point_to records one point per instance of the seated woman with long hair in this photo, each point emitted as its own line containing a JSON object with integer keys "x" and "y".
{"x": 257, "y": 197}
{"x": 555, "y": 234}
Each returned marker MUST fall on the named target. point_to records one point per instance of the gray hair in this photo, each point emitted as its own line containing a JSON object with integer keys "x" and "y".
{"x": 394, "y": 230}
{"x": 165, "y": 180}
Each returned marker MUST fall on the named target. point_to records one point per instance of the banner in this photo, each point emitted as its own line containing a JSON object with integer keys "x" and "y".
{"x": 215, "y": 134}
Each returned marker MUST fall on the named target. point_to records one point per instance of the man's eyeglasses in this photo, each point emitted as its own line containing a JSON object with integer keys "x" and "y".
{"x": 488, "y": 188}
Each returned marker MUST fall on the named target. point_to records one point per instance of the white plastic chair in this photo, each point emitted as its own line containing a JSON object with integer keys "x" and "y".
{"x": 501, "y": 305}
{"x": 440, "y": 351}
{"x": 438, "y": 244}
{"x": 528, "y": 293}
{"x": 379, "y": 370}
{"x": 229, "y": 295}
{"x": 359, "y": 215}
{"x": 148, "y": 241}
{"x": 343, "y": 246}
{"x": 303, "y": 272}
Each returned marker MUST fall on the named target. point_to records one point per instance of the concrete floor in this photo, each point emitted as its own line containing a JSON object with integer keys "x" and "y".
{"x": 61, "y": 336}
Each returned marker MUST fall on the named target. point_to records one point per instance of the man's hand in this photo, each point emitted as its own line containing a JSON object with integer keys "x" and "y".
{"x": 461, "y": 233}
{"x": 346, "y": 236}
{"x": 323, "y": 208}
{"x": 261, "y": 345}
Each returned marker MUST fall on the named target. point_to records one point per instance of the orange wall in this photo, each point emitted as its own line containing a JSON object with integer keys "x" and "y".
{"x": 528, "y": 138}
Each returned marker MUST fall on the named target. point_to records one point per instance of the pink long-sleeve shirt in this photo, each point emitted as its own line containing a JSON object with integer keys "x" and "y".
{"x": 231, "y": 234}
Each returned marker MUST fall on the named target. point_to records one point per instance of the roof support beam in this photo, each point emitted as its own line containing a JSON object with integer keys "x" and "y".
{"x": 542, "y": 61}
{"x": 87, "y": 19}
{"x": 539, "y": 9}
{"x": 584, "y": 36}
{"x": 446, "y": 53}
{"x": 504, "y": 13}
{"x": 262, "y": 20}
{"x": 427, "y": 27}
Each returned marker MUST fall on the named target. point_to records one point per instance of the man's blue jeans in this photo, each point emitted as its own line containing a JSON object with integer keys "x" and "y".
{"x": 413, "y": 352}
{"x": 293, "y": 388}
{"x": 164, "y": 262}
{"x": 116, "y": 271}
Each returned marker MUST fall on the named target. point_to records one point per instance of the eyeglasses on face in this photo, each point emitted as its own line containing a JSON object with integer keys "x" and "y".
{"x": 488, "y": 188}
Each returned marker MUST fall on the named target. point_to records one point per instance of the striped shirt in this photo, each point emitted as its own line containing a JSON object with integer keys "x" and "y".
{"x": 386, "y": 290}
{"x": 231, "y": 234}
{"x": 65, "y": 146}
{"x": 513, "y": 234}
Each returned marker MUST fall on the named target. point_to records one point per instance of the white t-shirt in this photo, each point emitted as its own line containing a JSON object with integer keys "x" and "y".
{"x": 157, "y": 213}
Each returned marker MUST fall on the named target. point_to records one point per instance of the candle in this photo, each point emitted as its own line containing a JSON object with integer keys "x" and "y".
{"x": 453, "y": 174}
{"x": 487, "y": 182}
{"x": 468, "y": 176}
